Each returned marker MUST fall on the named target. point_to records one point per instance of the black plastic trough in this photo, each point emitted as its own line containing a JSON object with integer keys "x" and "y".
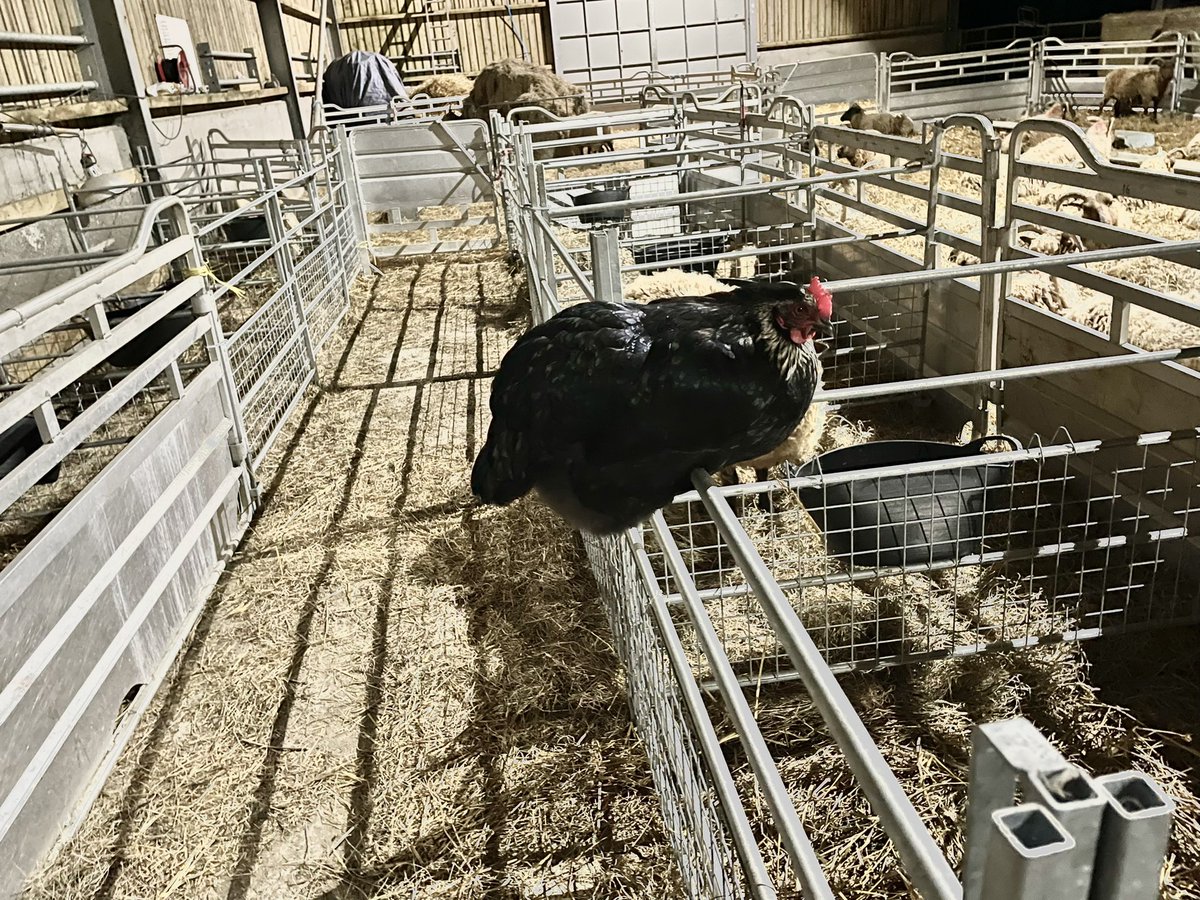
{"x": 20, "y": 441}
{"x": 604, "y": 195}
{"x": 906, "y": 520}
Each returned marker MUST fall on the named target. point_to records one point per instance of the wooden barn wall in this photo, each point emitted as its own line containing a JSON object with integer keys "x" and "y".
{"x": 39, "y": 66}
{"x": 481, "y": 29}
{"x": 786, "y": 23}
{"x": 224, "y": 24}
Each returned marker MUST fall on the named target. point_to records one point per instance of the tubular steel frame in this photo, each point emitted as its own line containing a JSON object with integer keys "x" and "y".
{"x": 648, "y": 578}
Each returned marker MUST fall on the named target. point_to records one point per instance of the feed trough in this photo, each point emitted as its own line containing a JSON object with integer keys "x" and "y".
{"x": 152, "y": 338}
{"x": 904, "y": 519}
{"x": 602, "y": 195}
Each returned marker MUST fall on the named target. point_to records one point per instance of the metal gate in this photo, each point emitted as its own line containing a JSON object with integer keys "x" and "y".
{"x": 603, "y": 40}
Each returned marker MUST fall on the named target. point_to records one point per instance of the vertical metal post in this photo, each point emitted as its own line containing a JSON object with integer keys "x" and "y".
{"x": 1133, "y": 839}
{"x": 931, "y": 241}
{"x": 883, "y": 89}
{"x": 1025, "y": 856}
{"x": 279, "y": 60}
{"x": 606, "y": 264}
{"x": 1035, "y": 97}
{"x": 991, "y": 286}
{"x": 1013, "y": 754}
{"x": 114, "y": 63}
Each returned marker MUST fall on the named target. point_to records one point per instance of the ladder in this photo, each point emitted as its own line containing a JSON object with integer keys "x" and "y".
{"x": 441, "y": 38}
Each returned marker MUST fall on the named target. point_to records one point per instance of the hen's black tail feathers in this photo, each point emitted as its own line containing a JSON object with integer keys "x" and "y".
{"x": 501, "y": 472}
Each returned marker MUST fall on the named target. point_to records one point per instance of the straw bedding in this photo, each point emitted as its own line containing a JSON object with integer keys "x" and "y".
{"x": 394, "y": 694}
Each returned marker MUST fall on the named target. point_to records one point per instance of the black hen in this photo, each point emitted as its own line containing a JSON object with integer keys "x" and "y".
{"x": 606, "y": 408}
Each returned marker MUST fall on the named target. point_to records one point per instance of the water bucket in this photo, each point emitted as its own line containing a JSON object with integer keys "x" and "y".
{"x": 906, "y": 520}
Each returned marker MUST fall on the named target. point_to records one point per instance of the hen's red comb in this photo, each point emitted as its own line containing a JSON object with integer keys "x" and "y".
{"x": 823, "y": 298}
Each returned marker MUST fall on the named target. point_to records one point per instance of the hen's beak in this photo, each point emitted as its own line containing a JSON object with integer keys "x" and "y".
{"x": 825, "y": 328}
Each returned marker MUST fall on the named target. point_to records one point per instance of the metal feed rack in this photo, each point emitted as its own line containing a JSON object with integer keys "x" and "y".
{"x": 153, "y": 445}
{"x": 1090, "y": 531}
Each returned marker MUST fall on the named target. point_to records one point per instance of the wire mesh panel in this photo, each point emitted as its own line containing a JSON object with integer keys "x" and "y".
{"x": 893, "y": 560}
{"x": 693, "y": 820}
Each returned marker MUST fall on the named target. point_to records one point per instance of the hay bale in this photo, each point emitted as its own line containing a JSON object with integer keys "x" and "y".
{"x": 510, "y": 83}
{"x": 455, "y": 85}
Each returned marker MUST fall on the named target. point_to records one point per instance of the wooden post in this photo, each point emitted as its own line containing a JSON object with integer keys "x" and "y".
{"x": 279, "y": 58}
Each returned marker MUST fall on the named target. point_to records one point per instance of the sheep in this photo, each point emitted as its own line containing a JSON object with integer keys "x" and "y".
{"x": 1059, "y": 151}
{"x": 1101, "y": 207}
{"x": 1147, "y": 329}
{"x": 1146, "y": 87}
{"x": 1190, "y": 150}
{"x": 454, "y": 85}
{"x": 1037, "y": 288}
{"x": 801, "y": 445}
{"x": 1158, "y": 162}
{"x": 1031, "y": 139}
{"x": 884, "y": 122}
{"x": 671, "y": 283}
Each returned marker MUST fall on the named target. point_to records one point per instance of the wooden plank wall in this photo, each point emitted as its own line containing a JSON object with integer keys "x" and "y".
{"x": 481, "y": 27}
{"x": 785, "y": 23}
{"x": 225, "y": 24}
{"x": 39, "y": 66}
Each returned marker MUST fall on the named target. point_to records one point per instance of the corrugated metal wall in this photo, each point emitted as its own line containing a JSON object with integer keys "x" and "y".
{"x": 481, "y": 28}
{"x": 783, "y": 23}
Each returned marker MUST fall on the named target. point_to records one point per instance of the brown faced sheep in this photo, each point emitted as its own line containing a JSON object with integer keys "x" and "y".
{"x": 1128, "y": 87}
{"x": 1101, "y": 207}
{"x": 884, "y": 122}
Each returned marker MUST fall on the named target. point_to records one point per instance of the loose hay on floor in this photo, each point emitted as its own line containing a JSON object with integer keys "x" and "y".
{"x": 393, "y": 694}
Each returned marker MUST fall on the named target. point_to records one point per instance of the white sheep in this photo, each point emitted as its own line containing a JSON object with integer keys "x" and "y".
{"x": 1147, "y": 329}
{"x": 1190, "y": 150}
{"x": 1036, "y": 288}
{"x": 1032, "y": 138}
{"x": 673, "y": 283}
{"x": 1059, "y": 151}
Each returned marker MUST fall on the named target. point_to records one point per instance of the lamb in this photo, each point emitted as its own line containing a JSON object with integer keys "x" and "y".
{"x": 859, "y": 159}
{"x": 1146, "y": 87}
{"x": 803, "y": 442}
{"x": 884, "y": 122}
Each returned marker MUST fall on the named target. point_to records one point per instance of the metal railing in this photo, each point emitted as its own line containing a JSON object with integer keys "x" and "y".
{"x": 144, "y": 393}
{"x": 723, "y": 598}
